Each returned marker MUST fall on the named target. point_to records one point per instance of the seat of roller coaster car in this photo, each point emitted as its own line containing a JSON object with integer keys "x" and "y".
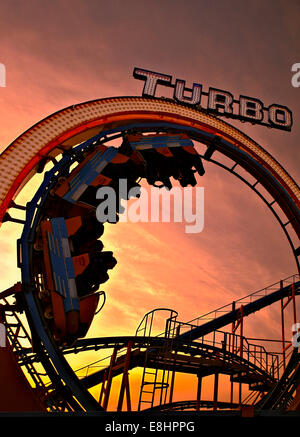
{"x": 90, "y": 231}
{"x": 184, "y": 175}
{"x": 96, "y": 272}
{"x": 187, "y": 178}
{"x": 114, "y": 171}
{"x": 92, "y": 228}
{"x": 180, "y": 167}
{"x": 122, "y": 187}
{"x": 187, "y": 159}
{"x": 104, "y": 260}
{"x": 90, "y": 246}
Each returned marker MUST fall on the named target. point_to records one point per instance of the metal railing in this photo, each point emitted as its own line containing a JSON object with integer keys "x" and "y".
{"x": 252, "y": 297}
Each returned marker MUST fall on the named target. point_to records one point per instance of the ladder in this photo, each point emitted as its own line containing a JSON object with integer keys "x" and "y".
{"x": 21, "y": 343}
{"x": 156, "y": 376}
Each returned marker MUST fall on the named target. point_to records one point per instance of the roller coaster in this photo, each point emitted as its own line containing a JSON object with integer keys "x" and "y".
{"x": 63, "y": 264}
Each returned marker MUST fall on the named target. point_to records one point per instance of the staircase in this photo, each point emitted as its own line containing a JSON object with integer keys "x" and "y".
{"x": 281, "y": 396}
{"x": 156, "y": 382}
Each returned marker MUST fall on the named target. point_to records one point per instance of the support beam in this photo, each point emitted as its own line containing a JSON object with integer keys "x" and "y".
{"x": 109, "y": 378}
{"x": 199, "y": 386}
{"x": 233, "y": 315}
{"x": 103, "y": 387}
{"x": 216, "y": 387}
{"x": 125, "y": 381}
{"x": 283, "y": 305}
{"x": 12, "y": 290}
{"x": 8, "y": 218}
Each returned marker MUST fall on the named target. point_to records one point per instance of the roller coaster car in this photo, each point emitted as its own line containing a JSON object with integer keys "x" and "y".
{"x": 171, "y": 155}
{"x": 96, "y": 272}
{"x": 55, "y": 206}
{"x": 75, "y": 194}
{"x": 72, "y": 312}
{"x": 100, "y": 168}
{"x": 155, "y": 157}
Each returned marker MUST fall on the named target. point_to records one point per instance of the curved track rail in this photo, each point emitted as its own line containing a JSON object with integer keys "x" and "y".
{"x": 69, "y": 133}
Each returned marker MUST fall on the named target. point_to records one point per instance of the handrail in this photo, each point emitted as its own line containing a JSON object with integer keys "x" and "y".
{"x": 151, "y": 313}
{"x": 294, "y": 278}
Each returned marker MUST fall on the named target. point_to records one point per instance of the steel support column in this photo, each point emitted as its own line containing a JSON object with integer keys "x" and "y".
{"x": 125, "y": 381}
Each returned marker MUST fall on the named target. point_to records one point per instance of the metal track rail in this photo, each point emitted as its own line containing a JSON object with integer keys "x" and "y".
{"x": 211, "y": 358}
{"x": 46, "y": 351}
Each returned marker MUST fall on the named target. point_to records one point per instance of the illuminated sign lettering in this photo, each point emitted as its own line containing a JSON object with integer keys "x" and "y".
{"x": 219, "y": 102}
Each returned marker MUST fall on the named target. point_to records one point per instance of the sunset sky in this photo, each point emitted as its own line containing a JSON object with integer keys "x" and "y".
{"x": 59, "y": 53}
